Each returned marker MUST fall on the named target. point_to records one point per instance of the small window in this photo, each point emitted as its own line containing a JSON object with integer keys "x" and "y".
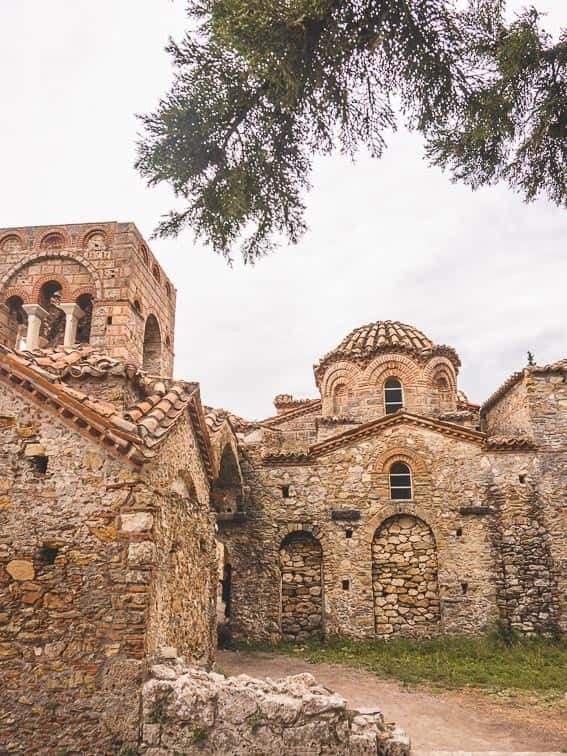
{"x": 346, "y": 585}
{"x": 393, "y": 396}
{"x": 459, "y": 532}
{"x": 348, "y": 533}
{"x": 40, "y": 462}
{"x": 109, "y": 320}
{"x": 522, "y": 478}
{"x": 155, "y": 271}
{"x": 400, "y": 481}
{"x": 168, "y": 289}
{"x": 285, "y": 492}
{"x": 144, "y": 253}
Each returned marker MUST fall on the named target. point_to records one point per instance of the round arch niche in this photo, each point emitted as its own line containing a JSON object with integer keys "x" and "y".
{"x": 404, "y": 578}
{"x": 151, "y": 360}
{"x": 301, "y": 566}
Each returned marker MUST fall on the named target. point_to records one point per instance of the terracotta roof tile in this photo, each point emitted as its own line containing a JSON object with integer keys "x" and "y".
{"x": 137, "y": 431}
{"x": 364, "y": 342}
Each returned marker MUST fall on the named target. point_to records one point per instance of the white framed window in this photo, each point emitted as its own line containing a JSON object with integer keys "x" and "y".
{"x": 400, "y": 481}
{"x": 393, "y": 395}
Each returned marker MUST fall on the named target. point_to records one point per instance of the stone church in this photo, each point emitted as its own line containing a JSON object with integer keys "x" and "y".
{"x": 132, "y": 516}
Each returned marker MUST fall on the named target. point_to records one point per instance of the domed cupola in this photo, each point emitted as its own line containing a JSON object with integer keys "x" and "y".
{"x": 382, "y": 361}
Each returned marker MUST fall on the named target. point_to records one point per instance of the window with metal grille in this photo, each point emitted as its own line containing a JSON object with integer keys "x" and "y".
{"x": 393, "y": 396}
{"x": 400, "y": 481}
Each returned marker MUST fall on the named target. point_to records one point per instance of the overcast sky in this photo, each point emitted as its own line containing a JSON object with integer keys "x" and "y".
{"x": 388, "y": 239}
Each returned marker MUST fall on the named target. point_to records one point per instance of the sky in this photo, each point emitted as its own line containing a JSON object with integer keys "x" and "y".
{"x": 388, "y": 239}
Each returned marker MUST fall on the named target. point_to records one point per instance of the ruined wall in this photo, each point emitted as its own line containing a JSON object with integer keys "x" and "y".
{"x": 189, "y": 711}
{"x": 99, "y": 564}
{"x": 112, "y": 262}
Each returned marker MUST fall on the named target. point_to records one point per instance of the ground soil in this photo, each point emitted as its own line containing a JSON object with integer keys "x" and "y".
{"x": 461, "y": 720}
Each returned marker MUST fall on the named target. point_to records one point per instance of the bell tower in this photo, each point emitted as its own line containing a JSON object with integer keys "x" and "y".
{"x": 95, "y": 283}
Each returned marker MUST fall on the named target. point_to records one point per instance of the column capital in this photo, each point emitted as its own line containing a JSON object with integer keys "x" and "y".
{"x": 72, "y": 309}
{"x": 35, "y": 310}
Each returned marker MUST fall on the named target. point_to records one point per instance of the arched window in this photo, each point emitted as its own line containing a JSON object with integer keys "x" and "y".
{"x": 49, "y": 294}
{"x": 400, "y": 481}
{"x": 442, "y": 383}
{"x": 152, "y": 346}
{"x": 393, "y": 396}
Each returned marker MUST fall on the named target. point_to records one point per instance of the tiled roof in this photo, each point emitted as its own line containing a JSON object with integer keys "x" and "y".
{"x": 384, "y": 336}
{"x": 554, "y": 367}
{"x": 216, "y": 417}
{"x": 134, "y": 433}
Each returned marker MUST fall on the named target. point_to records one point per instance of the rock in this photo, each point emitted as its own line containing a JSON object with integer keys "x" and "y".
{"x": 19, "y": 569}
{"x": 136, "y": 522}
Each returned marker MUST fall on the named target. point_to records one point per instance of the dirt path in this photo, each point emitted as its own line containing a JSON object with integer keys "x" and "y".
{"x": 446, "y": 721}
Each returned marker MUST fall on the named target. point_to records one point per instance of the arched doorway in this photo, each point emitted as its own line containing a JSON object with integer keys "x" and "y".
{"x": 152, "y": 346}
{"x": 301, "y": 565}
{"x": 404, "y": 578}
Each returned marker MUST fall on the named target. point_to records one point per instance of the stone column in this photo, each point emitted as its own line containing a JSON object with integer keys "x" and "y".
{"x": 73, "y": 314}
{"x": 35, "y": 314}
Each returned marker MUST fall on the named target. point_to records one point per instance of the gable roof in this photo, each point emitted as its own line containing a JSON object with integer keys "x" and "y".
{"x": 133, "y": 434}
{"x": 367, "y": 430}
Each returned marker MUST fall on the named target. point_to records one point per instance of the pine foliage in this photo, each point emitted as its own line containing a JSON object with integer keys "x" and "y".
{"x": 263, "y": 86}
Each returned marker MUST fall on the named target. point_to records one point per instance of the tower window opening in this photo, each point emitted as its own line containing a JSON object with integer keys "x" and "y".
{"x": 346, "y": 585}
{"x": 393, "y": 396}
{"x": 285, "y": 492}
{"x": 348, "y": 533}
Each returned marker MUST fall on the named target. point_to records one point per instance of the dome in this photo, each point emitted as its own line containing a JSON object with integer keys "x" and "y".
{"x": 366, "y": 341}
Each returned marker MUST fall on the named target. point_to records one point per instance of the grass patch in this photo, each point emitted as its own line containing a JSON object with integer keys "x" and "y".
{"x": 536, "y": 665}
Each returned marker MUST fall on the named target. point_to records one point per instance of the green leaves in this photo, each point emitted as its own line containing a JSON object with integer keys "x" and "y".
{"x": 511, "y": 123}
{"x": 264, "y": 85}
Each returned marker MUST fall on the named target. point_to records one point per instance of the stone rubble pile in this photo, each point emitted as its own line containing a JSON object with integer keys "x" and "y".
{"x": 188, "y": 710}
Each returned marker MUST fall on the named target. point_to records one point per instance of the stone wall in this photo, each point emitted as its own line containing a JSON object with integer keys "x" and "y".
{"x": 548, "y": 402}
{"x": 100, "y": 563}
{"x": 189, "y": 711}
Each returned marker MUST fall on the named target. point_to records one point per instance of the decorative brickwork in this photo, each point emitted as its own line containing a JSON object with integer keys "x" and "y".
{"x": 104, "y": 261}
